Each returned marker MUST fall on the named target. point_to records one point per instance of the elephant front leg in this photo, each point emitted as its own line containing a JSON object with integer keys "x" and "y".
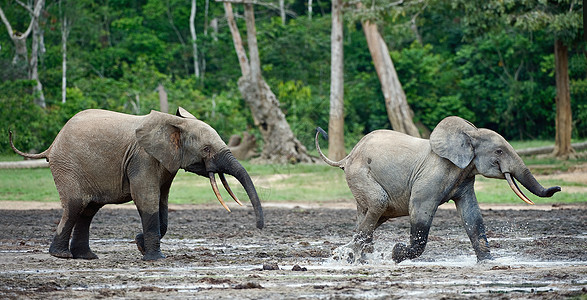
{"x": 149, "y": 242}
{"x": 468, "y": 209}
{"x": 421, "y": 215}
{"x": 163, "y": 221}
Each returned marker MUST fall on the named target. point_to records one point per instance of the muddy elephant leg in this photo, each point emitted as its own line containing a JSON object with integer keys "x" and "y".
{"x": 60, "y": 245}
{"x": 421, "y": 215}
{"x": 164, "y": 209}
{"x": 362, "y": 240}
{"x": 80, "y": 241}
{"x": 149, "y": 242}
{"x": 163, "y": 220}
{"x": 370, "y": 199}
{"x": 468, "y": 209}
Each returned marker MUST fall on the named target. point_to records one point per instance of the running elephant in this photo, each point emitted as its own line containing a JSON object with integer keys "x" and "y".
{"x": 392, "y": 174}
{"x": 101, "y": 157}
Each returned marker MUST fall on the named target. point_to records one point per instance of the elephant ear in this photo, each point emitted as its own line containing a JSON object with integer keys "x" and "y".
{"x": 182, "y": 112}
{"x": 160, "y": 136}
{"x": 451, "y": 140}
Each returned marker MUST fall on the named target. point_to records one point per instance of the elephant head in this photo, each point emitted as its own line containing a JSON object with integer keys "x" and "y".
{"x": 492, "y": 156}
{"x": 184, "y": 142}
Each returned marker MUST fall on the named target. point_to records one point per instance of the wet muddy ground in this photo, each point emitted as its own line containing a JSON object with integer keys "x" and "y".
{"x": 211, "y": 254}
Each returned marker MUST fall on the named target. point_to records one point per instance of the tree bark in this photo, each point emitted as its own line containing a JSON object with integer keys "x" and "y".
{"x": 65, "y": 29}
{"x": 34, "y": 62}
{"x": 237, "y": 41}
{"x": 194, "y": 39}
{"x": 21, "y": 52}
{"x": 280, "y": 145}
{"x": 64, "y": 33}
{"x": 398, "y": 111}
{"x": 163, "y": 103}
{"x": 564, "y": 117}
{"x": 255, "y": 61}
{"x": 19, "y": 40}
{"x": 282, "y": 11}
{"x": 336, "y": 149}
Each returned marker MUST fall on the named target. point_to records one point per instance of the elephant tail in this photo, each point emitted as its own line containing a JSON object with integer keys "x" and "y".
{"x": 324, "y": 158}
{"x": 27, "y": 155}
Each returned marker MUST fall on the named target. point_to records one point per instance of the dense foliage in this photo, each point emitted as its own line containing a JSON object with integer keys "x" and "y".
{"x": 119, "y": 51}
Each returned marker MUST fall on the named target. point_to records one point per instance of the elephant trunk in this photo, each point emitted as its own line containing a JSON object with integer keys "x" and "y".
{"x": 526, "y": 178}
{"x": 226, "y": 163}
{"x": 528, "y": 181}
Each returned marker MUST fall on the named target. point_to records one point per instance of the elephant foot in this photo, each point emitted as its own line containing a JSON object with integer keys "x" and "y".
{"x": 83, "y": 254}
{"x": 65, "y": 254}
{"x": 148, "y": 254}
{"x": 484, "y": 257}
{"x": 352, "y": 254}
{"x": 61, "y": 252}
{"x": 400, "y": 253}
{"x": 140, "y": 240}
{"x": 344, "y": 253}
{"x": 155, "y": 255}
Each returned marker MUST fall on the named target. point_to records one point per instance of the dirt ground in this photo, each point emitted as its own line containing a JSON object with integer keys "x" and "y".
{"x": 211, "y": 254}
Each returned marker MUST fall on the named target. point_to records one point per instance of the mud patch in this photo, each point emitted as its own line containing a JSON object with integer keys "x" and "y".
{"x": 211, "y": 254}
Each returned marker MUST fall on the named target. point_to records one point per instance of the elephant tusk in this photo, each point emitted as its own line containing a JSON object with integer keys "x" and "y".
{"x": 216, "y": 192}
{"x": 227, "y": 187}
{"x": 516, "y": 189}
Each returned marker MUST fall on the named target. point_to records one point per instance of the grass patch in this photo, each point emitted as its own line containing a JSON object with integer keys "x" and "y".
{"x": 299, "y": 183}
{"x": 27, "y": 185}
{"x": 537, "y": 143}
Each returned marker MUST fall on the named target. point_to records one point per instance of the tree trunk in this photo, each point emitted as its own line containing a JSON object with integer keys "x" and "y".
{"x": 280, "y": 145}
{"x": 20, "y": 45}
{"x": 282, "y": 11}
{"x": 336, "y": 149}
{"x": 64, "y": 30}
{"x": 163, "y": 104}
{"x": 398, "y": 111}
{"x": 34, "y": 62}
{"x": 64, "y": 34}
{"x": 237, "y": 41}
{"x": 19, "y": 40}
{"x": 255, "y": 61}
{"x": 194, "y": 39}
{"x": 564, "y": 117}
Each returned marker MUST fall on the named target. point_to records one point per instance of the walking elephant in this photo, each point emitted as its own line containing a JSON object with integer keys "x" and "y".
{"x": 101, "y": 157}
{"x": 392, "y": 174}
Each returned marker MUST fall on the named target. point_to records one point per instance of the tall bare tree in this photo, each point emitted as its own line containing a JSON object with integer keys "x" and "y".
{"x": 19, "y": 40}
{"x": 398, "y": 110}
{"x": 65, "y": 29}
{"x": 280, "y": 145}
{"x": 336, "y": 149}
{"x": 564, "y": 116}
{"x": 194, "y": 39}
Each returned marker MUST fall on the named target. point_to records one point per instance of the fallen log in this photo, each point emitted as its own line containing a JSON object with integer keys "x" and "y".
{"x": 549, "y": 149}
{"x": 24, "y": 164}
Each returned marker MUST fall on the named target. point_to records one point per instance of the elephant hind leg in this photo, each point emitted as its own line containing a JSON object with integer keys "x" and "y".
{"x": 371, "y": 205}
{"x": 80, "y": 241}
{"x": 60, "y": 245}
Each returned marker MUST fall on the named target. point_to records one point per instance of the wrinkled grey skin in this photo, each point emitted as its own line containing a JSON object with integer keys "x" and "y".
{"x": 392, "y": 174}
{"x": 101, "y": 157}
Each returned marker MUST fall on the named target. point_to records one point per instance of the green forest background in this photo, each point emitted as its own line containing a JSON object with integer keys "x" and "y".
{"x": 119, "y": 51}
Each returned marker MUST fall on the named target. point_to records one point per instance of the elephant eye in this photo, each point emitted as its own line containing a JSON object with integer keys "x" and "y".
{"x": 498, "y": 151}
